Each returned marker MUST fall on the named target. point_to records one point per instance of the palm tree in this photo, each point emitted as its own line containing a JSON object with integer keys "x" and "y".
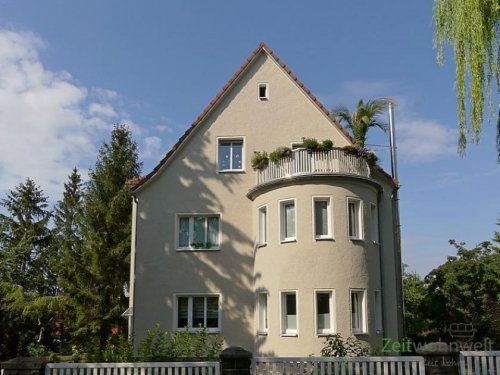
{"x": 364, "y": 117}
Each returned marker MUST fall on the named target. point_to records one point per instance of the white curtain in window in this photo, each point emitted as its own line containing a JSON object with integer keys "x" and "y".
{"x": 321, "y": 218}
{"x": 199, "y": 230}
{"x": 289, "y": 220}
{"x": 353, "y": 219}
{"x": 213, "y": 231}
{"x": 184, "y": 232}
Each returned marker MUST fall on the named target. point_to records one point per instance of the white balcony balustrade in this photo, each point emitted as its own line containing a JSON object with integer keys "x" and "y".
{"x": 304, "y": 162}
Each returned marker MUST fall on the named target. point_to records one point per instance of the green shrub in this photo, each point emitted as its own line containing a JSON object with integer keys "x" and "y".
{"x": 161, "y": 346}
{"x": 310, "y": 144}
{"x": 326, "y": 145}
{"x": 370, "y": 156}
{"x": 279, "y": 153}
{"x": 37, "y": 350}
{"x": 118, "y": 349}
{"x": 259, "y": 160}
{"x": 336, "y": 346}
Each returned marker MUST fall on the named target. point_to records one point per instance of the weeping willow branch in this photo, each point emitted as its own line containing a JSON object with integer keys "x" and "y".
{"x": 471, "y": 28}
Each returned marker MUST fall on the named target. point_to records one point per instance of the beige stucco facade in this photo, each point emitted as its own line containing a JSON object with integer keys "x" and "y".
{"x": 188, "y": 182}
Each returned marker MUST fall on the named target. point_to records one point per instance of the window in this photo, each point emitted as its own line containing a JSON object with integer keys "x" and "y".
{"x": 354, "y": 219}
{"x": 198, "y": 311}
{"x": 374, "y": 223}
{"x": 262, "y": 312}
{"x": 263, "y": 91}
{"x": 287, "y": 220}
{"x": 230, "y": 155}
{"x": 325, "y": 312}
{"x": 289, "y": 313}
{"x": 377, "y": 302}
{"x": 322, "y": 218}
{"x": 197, "y": 232}
{"x": 358, "y": 311}
{"x": 262, "y": 225}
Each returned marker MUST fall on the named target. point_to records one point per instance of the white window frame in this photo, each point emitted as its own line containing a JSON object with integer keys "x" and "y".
{"x": 266, "y": 85}
{"x": 190, "y": 311}
{"x": 364, "y": 324}
{"x": 286, "y": 332}
{"x": 240, "y": 138}
{"x": 332, "y": 305}
{"x": 262, "y": 316}
{"x": 378, "y": 321}
{"x": 359, "y": 213}
{"x": 329, "y": 218}
{"x": 178, "y": 216}
{"x": 374, "y": 224}
{"x": 282, "y": 220}
{"x": 262, "y": 241}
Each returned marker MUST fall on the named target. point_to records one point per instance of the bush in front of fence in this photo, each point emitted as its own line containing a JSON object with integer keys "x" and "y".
{"x": 336, "y": 346}
{"x": 164, "y": 346}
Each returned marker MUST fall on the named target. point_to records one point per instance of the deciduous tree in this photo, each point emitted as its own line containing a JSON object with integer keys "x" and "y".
{"x": 471, "y": 27}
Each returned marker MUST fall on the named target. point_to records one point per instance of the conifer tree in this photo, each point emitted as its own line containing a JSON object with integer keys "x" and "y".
{"x": 108, "y": 205}
{"x": 25, "y": 258}
{"x": 68, "y": 233}
{"x": 72, "y": 274}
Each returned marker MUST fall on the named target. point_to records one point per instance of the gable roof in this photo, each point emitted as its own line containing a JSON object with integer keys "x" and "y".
{"x": 136, "y": 183}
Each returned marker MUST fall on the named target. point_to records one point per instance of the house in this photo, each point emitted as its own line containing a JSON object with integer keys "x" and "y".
{"x": 273, "y": 259}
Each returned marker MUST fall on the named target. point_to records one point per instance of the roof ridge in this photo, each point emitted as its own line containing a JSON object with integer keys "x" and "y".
{"x": 262, "y": 46}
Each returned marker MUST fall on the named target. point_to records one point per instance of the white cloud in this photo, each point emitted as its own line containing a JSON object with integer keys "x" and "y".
{"x": 152, "y": 148}
{"x": 47, "y": 125}
{"x": 422, "y": 141}
{"x": 104, "y": 110}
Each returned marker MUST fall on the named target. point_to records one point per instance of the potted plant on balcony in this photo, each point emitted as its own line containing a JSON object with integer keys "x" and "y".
{"x": 259, "y": 160}
{"x": 312, "y": 144}
{"x": 325, "y": 145}
{"x": 280, "y": 152}
{"x": 370, "y": 156}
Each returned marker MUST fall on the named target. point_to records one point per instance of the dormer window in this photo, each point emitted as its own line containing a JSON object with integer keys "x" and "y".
{"x": 263, "y": 91}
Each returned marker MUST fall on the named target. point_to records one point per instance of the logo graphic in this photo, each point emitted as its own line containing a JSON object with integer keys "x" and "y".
{"x": 462, "y": 331}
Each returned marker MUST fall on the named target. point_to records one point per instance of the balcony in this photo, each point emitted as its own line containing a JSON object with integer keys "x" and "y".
{"x": 306, "y": 163}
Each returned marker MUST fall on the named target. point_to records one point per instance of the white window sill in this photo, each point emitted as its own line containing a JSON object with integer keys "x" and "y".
{"x": 290, "y": 334}
{"x": 261, "y": 333}
{"x": 180, "y": 250}
{"x": 360, "y": 333}
{"x": 324, "y": 334}
{"x": 195, "y": 330}
{"x": 262, "y": 244}
{"x": 231, "y": 171}
{"x": 356, "y": 239}
{"x": 287, "y": 240}
{"x": 324, "y": 238}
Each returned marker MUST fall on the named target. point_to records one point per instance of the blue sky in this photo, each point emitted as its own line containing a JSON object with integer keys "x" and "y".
{"x": 69, "y": 70}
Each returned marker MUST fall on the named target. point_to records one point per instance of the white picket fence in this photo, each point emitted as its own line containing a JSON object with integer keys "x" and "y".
{"x": 339, "y": 366}
{"x": 480, "y": 363}
{"x": 139, "y": 368}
